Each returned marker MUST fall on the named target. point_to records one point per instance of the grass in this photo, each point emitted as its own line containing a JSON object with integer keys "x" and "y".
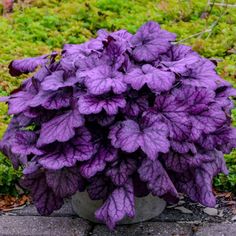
{"x": 40, "y": 26}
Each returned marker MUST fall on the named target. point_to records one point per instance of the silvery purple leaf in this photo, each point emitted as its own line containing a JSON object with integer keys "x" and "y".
{"x": 119, "y": 204}
{"x": 151, "y": 137}
{"x": 173, "y": 113}
{"x": 98, "y": 162}
{"x": 179, "y": 58}
{"x": 183, "y": 162}
{"x": 89, "y": 104}
{"x": 150, "y": 41}
{"x": 19, "y": 102}
{"x": 104, "y": 79}
{"x": 201, "y": 74}
{"x": 135, "y": 105}
{"x": 157, "y": 80}
{"x": 61, "y": 128}
{"x": 53, "y": 99}
{"x": 58, "y": 80}
{"x": 24, "y": 66}
{"x": 67, "y": 154}
{"x": 182, "y": 146}
{"x": 223, "y": 138}
{"x": 158, "y": 181}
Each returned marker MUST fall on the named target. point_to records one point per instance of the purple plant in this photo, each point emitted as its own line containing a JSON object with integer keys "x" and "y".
{"x": 120, "y": 116}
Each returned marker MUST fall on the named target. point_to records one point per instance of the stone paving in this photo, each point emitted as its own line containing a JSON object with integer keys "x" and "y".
{"x": 64, "y": 222}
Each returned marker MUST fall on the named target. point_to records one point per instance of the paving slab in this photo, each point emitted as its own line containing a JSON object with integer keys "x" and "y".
{"x": 224, "y": 229}
{"x": 30, "y": 210}
{"x": 146, "y": 229}
{"x": 43, "y": 226}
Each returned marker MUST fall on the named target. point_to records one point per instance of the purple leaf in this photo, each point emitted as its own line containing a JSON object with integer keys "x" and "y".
{"x": 43, "y": 197}
{"x": 64, "y": 182}
{"x": 150, "y": 137}
{"x": 53, "y": 99}
{"x": 67, "y": 154}
{"x": 24, "y": 143}
{"x": 119, "y": 204}
{"x": 169, "y": 111}
{"x": 223, "y": 138}
{"x": 157, "y": 180}
{"x": 24, "y": 66}
{"x": 180, "y": 57}
{"x": 98, "y": 162}
{"x": 183, "y": 146}
{"x": 93, "y": 105}
{"x": 120, "y": 173}
{"x": 135, "y": 105}
{"x": 157, "y": 80}
{"x": 99, "y": 188}
{"x": 19, "y": 102}
{"x": 103, "y": 79}
{"x": 184, "y": 162}
{"x": 201, "y": 74}
{"x": 150, "y": 41}
{"x": 197, "y": 182}
{"x": 58, "y": 80}
{"x": 61, "y": 128}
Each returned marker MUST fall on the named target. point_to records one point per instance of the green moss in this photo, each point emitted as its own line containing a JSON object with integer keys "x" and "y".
{"x": 45, "y": 25}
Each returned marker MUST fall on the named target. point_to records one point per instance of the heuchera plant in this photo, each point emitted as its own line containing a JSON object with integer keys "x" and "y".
{"x": 120, "y": 116}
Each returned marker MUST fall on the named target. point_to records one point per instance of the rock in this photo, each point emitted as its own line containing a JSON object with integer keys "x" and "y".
{"x": 210, "y": 211}
{"x": 184, "y": 210}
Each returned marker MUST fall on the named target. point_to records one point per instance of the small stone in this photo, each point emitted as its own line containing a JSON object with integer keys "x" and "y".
{"x": 211, "y": 211}
{"x": 233, "y": 218}
{"x": 221, "y": 213}
{"x": 184, "y": 210}
{"x": 180, "y": 203}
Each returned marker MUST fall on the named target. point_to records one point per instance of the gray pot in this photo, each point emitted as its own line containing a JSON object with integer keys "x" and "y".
{"x": 146, "y": 208}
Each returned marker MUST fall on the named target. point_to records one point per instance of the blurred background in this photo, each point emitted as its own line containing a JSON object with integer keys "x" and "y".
{"x": 34, "y": 27}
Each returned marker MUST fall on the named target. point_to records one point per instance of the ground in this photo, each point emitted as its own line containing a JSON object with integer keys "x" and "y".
{"x": 26, "y": 221}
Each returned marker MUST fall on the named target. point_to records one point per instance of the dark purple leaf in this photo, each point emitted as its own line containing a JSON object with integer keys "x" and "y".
{"x": 43, "y": 197}
{"x": 64, "y": 182}
{"x": 24, "y": 143}
{"x": 120, "y": 173}
{"x": 99, "y": 188}
{"x": 197, "y": 182}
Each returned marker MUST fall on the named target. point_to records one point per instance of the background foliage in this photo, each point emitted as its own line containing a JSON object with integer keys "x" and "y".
{"x": 39, "y": 26}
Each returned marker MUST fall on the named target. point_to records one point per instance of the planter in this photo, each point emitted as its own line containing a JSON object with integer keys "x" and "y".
{"x": 146, "y": 208}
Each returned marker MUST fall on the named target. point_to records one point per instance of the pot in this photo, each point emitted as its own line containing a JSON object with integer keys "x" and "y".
{"x": 146, "y": 208}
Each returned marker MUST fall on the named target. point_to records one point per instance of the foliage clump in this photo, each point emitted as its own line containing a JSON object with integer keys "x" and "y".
{"x": 120, "y": 116}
